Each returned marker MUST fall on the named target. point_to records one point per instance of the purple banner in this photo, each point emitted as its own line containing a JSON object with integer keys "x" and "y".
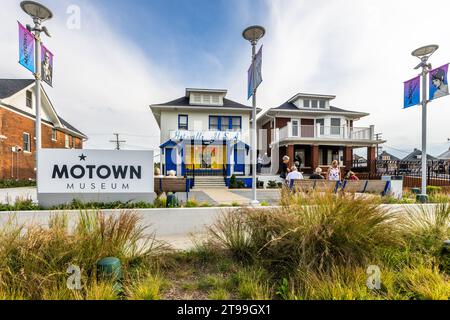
{"x": 46, "y": 66}
{"x": 26, "y": 48}
{"x": 411, "y": 93}
{"x": 439, "y": 82}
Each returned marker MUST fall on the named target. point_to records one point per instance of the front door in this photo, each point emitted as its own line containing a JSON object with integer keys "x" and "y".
{"x": 239, "y": 160}
{"x": 171, "y": 163}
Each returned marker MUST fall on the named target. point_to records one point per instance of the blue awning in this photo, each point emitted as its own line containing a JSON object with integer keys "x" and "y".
{"x": 168, "y": 143}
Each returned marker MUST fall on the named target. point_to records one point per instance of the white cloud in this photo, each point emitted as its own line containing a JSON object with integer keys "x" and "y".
{"x": 102, "y": 82}
{"x": 360, "y": 51}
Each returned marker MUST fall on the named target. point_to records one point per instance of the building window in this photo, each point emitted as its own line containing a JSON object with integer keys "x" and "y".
{"x": 214, "y": 123}
{"x": 237, "y": 123}
{"x": 54, "y": 134}
{"x": 306, "y": 103}
{"x": 66, "y": 141}
{"x": 314, "y": 104}
{"x": 225, "y": 123}
{"x": 295, "y": 126}
{"x": 322, "y": 104}
{"x": 72, "y": 138}
{"x": 183, "y": 122}
{"x": 321, "y": 122}
{"x": 335, "y": 126}
{"x": 26, "y": 142}
{"x": 29, "y": 99}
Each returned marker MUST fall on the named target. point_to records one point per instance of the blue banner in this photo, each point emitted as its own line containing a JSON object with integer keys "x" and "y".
{"x": 26, "y": 48}
{"x": 411, "y": 93}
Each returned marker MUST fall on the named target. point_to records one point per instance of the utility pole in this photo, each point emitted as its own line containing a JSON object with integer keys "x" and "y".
{"x": 117, "y": 141}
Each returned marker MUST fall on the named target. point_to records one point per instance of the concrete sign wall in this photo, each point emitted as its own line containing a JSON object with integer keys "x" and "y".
{"x": 94, "y": 175}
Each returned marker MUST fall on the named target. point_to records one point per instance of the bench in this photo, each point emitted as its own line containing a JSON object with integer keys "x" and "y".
{"x": 367, "y": 186}
{"x": 363, "y": 186}
{"x": 314, "y": 185}
{"x": 166, "y": 185}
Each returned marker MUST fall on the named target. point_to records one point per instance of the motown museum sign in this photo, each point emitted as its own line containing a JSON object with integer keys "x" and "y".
{"x": 94, "y": 175}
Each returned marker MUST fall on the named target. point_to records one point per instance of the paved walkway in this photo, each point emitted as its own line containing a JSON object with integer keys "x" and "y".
{"x": 223, "y": 196}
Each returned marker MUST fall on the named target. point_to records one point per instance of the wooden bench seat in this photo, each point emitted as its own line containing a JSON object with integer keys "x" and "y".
{"x": 165, "y": 185}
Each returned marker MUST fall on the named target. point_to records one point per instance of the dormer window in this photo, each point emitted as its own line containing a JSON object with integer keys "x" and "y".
{"x": 306, "y": 103}
{"x": 322, "y": 104}
{"x": 314, "y": 104}
{"x": 206, "y": 99}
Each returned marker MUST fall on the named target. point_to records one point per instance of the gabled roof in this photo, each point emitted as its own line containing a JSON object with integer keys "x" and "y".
{"x": 290, "y": 106}
{"x": 184, "y": 102}
{"x": 412, "y": 157}
{"x": 384, "y": 154}
{"x": 445, "y": 155}
{"x": 9, "y": 87}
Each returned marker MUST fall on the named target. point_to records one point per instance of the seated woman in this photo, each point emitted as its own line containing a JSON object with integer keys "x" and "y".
{"x": 352, "y": 176}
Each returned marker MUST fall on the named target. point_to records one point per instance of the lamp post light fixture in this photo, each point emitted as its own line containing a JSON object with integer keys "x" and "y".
{"x": 39, "y": 13}
{"x": 424, "y": 53}
{"x": 254, "y": 34}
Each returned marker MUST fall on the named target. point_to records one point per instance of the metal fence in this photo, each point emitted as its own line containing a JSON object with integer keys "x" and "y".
{"x": 438, "y": 172}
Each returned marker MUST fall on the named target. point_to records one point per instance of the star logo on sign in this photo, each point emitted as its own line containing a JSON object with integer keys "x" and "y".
{"x": 82, "y": 157}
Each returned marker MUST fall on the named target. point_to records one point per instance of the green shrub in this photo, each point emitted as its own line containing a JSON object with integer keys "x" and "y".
{"x": 272, "y": 185}
{"x": 147, "y": 288}
{"x": 6, "y": 184}
{"x": 252, "y": 284}
{"x": 233, "y": 182}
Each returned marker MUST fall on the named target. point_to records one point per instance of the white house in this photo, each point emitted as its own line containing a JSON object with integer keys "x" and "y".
{"x": 204, "y": 134}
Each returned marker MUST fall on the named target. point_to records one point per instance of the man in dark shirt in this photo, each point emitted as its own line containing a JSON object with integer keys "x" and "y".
{"x": 317, "y": 175}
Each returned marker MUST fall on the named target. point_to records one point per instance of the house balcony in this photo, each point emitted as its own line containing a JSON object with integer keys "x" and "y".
{"x": 325, "y": 134}
{"x": 206, "y": 135}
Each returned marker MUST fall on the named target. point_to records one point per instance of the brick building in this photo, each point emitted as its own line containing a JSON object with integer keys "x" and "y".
{"x": 17, "y": 129}
{"x": 311, "y": 131}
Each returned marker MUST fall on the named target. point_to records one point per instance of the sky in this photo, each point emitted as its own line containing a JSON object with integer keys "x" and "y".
{"x": 123, "y": 56}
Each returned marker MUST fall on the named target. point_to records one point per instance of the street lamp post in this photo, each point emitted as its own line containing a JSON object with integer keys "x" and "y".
{"x": 254, "y": 34}
{"x": 424, "y": 53}
{"x": 39, "y": 13}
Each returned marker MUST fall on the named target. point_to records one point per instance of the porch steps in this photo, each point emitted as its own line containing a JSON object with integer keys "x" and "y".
{"x": 202, "y": 183}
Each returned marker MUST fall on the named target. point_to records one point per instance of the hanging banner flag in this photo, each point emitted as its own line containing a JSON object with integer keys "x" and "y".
{"x": 254, "y": 80}
{"x": 438, "y": 82}
{"x": 26, "y": 48}
{"x": 46, "y": 66}
{"x": 411, "y": 93}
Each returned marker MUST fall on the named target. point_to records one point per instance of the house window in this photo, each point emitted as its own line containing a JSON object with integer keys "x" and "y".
{"x": 322, "y": 125}
{"x": 225, "y": 124}
{"x": 54, "y": 134}
{"x": 314, "y": 104}
{"x": 213, "y": 123}
{"x": 183, "y": 122}
{"x": 72, "y": 138}
{"x": 237, "y": 123}
{"x": 66, "y": 141}
{"x": 29, "y": 99}
{"x": 335, "y": 126}
{"x": 322, "y": 104}
{"x": 26, "y": 142}
{"x": 295, "y": 128}
{"x": 306, "y": 103}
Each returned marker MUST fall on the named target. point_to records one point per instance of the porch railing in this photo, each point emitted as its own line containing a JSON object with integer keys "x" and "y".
{"x": 292, "y": 131}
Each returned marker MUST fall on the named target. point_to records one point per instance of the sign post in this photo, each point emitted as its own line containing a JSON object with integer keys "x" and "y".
{"x": 39, "y": 13}
{"x": 438, "y": 88}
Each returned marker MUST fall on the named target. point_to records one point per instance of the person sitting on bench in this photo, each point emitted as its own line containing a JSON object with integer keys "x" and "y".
{"x": 294, "y": 175}
{"x": 317, "y": 175}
